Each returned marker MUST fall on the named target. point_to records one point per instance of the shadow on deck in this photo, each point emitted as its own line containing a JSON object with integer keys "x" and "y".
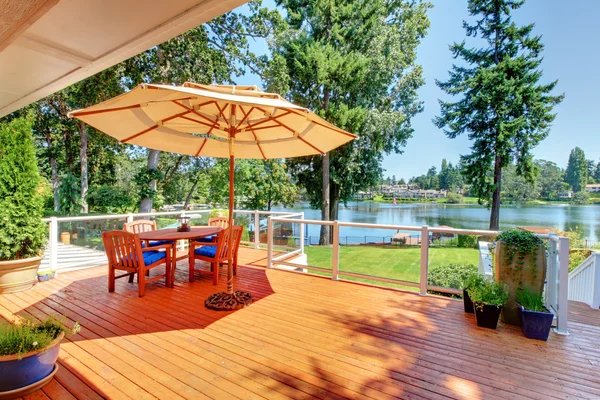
{"x": 304, "y": 337}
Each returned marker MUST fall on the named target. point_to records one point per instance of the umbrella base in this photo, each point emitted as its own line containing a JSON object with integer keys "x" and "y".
{"x": 223, "y": 301}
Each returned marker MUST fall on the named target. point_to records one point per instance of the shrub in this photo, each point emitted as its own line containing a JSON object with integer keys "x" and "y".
{"x": 452, "y": 276}
{"x": 489, "y": 293}
{"x": 22, "y": 232}
{"x": 467, "y": 241}
{"x": 581, "y": 198}
{"x": 530, "y": 301}
{"x": 70, "y": 194}
{"x": 454, "y": 198}
{"x": 28, "y": 336}
{"x": 107, "y": 199}
{"x": 576, "y": 257}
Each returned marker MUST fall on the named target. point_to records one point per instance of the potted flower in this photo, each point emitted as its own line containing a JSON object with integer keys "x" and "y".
{"x": 520, "y": 263}
{"x": 536, "y": 320}
{"x": 472, "y": 281}
{"x": 22, "y": 232}
{"x": 488, "y": 299}
{"x": 28, "y": 353}
{"x": 46, "y": 275}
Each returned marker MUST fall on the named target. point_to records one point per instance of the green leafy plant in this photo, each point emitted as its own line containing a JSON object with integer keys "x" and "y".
{"x": 473, "y": 280}
{"x": 576, "y": 257}
{"x": 488, "y": 293}
{"x": 530, "y": 301}
{"x": 454, "y": 198}
{"x": 467, "y": 241}
{"x": 70, "y": 194}
{"x": 453, "y": 276}
{"x": 519, "y": 246}
{"x": 22, "y": 232}
{"x": 219, "y": 212}
{"x": 27, "y": 336}
{"x": 110, "y": 199}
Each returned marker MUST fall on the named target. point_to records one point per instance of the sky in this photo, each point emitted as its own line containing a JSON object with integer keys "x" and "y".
{"x": 570, "y": 32}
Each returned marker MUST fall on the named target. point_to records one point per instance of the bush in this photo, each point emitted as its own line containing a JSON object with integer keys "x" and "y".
{"x": 452, "y": 276}
{"x": 467, "y": 241}
{"x": 581, "y": 198}
{"x": 489, "y": 293}
{"x": 108, "y": 199}
{"x": 22, "y": 232}
{"x": 576, "y": 257}
{"x": 454, "y": 198}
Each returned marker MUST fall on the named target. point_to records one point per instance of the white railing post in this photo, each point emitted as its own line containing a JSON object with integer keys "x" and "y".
{"x": 302, "y": 226}
{"x": 596, "y": 283}
{"x": 563, "y": 287}
{"x": 53, "y": 243}
{"x": 423, "y": 275}
{"x": 256, "y": 229}
{"x": 335, "y": 252}
{"x": 269, "y": 242}
{"x": 552, "y": 273}
{"x": 129, "y": 218}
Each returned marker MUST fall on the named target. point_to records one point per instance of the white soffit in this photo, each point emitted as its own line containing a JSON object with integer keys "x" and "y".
{"x": 47, "y": 45}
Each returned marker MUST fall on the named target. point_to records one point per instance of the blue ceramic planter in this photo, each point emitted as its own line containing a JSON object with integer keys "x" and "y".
{"x": 536, "y": 324}
{"x": 33, "y": 367}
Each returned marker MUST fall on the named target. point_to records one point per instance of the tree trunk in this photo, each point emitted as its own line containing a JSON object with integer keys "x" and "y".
{"x": 83, "y": 134}
{"x": 153, "y": 158}
{"x": 325, "y": 231}
{"x": 191, "y": 193}
{"x": 495, "y": 215}
{"x": 54, "y": 178}
{"x": 334, "y": 205}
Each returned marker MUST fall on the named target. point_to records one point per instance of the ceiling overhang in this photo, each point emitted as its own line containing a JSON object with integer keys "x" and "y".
{"x": 47, "y": 45}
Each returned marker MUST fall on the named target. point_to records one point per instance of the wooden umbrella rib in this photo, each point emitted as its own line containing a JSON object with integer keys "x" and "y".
{"x": 245, "y": 117}
{"x": 325, "y": 126}
{"x": 201, "y": 147}
{"x": 139, "y": 134}
{"x": 196, "y": 121}
{"x": 258, "y": 144}
{"x": 83, "y": 112}
{"x": 221, "y": 110}
{"x": 267, "y": 120}
{"x": 321, "y": 152}
{"x": 213, "y": 123}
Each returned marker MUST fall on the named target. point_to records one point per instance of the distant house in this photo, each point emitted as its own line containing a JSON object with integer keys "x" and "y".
{"x": 567, "y": 194}
{"x": 593, "y": 188}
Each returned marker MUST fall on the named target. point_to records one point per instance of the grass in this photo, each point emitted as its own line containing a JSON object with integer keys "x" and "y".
{"x": 397, "y": 262}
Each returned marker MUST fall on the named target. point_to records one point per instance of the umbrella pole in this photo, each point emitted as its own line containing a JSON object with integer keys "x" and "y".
{"x": 230, "y": 299}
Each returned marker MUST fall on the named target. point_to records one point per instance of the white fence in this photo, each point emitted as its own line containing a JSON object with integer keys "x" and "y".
{"x": 584, "y": 281}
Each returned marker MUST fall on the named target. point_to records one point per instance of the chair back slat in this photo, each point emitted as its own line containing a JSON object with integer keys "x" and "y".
{"x": 140, "y": 226}
{"x": 222, "y": 222}
{"x": 237, "y": 238}
{"x": 123, "y": 248}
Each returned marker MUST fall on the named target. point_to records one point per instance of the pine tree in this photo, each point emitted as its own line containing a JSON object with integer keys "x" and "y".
{"x": 577, "y": 170}
{"x": 504, "y": 109}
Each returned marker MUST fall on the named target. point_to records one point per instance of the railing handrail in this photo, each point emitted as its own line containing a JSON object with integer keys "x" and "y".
{"x": 585, "y": 264}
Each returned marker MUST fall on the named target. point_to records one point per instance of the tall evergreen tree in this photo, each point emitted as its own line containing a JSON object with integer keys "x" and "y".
{"x": 354, "y": 64}
{"x": 504, "y": 109}
{"x": 577, "y": 170}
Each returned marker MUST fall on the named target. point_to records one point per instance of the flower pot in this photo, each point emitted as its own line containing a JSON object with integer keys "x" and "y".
{"x": 30, "y": 368}
{"x": 527, "y": 277}
{"x": 65, "y": 237}
{"x": 43, "y": 277}
{"x": 487, "y": 316}
{"x": 536, "y": 324}
{"x": 18, "y": 275}
{"x": 468, "y": 303}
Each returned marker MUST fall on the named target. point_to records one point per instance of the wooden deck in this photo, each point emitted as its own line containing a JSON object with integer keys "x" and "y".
{"x": 304, "y": 337}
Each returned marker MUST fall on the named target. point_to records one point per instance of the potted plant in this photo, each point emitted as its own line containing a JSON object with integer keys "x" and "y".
{"x": 536, "y": 320}
{"x": 520, "y": 263}
{"x": 488, "y": 299}
{"x": 22, "y": 232}
{"x": 46, "y": 275}
{"x": 471, "y": 282}
{"x": 28, "y": 353}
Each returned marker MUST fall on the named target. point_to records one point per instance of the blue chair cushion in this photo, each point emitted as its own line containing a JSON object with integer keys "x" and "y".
{"x": 206, "y": 251}
{"x": 157, "y": 243}
{"x": 150, "y": 257}
{"x": 207, "y": 239}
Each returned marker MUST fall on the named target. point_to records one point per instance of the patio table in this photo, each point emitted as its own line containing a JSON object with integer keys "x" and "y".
{"x": 172, "y": 234}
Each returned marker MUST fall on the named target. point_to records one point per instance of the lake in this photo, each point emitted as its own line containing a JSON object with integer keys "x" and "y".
{"x": 561, "y": 216}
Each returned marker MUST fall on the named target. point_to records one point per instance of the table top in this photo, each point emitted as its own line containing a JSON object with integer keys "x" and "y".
{"x": 172, "y": 234}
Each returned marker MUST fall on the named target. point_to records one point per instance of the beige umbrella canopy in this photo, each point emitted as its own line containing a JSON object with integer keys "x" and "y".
{"x": 207, "y": 121}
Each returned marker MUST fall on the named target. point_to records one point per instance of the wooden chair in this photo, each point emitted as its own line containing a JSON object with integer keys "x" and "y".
{"x": 145, "y": 225}
{"x": 212, "y": 253}
{"x": 222, "y": 222}
{"x": 125, "y": 252}
{"x": 237, "y": 238}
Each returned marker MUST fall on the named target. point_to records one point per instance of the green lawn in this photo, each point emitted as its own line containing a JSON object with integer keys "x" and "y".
{"x": 396, "y": 263}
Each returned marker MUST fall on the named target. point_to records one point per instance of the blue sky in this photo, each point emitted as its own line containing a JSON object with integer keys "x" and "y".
{"x": 570, "y": 32}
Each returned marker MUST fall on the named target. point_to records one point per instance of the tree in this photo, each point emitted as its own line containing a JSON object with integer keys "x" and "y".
{"x": 401, "y": 181}
{"x": 504, "y": 108}
{"x": 577, "y": 170}
{"x": 517, "y": 189}
{"x": 353, "y": 63}
{"x": 550, "y": 179}
{"x": 597, "y": 173}
{"x": 22, "y": 232}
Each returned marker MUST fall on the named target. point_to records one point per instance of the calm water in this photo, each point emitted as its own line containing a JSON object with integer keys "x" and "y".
{"x": 564, "y": 217}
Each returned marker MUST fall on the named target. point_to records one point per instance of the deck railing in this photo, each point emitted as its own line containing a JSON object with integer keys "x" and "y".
{"x": 584, "y": 281}
{"x": 556, "y": 290}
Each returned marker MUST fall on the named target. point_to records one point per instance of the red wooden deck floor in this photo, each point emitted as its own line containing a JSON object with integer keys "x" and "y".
{"x": 304, "y": 337}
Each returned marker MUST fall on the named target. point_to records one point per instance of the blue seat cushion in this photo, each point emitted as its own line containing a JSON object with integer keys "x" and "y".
{"x": 157, "y": 243}
{"x": 206, "y": 251}
{"x": 207, "y": 239}
{"x": 150, "y": 257}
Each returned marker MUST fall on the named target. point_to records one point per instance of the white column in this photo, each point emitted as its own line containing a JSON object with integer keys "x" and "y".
{"x": 424, "y": 260}
{"x": 129, "y": 218}
{"x": 256, "y": 229}
{"x": 335, "y": 252}
{"x": 552, "y": 272}
{"x": 269, "y": 242}
{"x": 302, "y": 234}
{"x": 563, "y": 286}
{"x": 53, "y": 243}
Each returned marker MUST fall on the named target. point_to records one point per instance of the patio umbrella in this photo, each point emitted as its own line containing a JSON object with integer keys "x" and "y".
{"x": 215, "y": 121}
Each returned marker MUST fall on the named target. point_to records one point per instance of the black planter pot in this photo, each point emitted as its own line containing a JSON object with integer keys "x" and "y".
{"x": 487, "y": 316}
{"x": 536, "y": 324}
{"x": 468, "y": 303}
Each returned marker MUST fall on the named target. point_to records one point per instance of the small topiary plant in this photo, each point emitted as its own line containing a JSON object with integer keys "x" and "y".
{"x": 22, "y": 232}
{"x": 488, "y": 293}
